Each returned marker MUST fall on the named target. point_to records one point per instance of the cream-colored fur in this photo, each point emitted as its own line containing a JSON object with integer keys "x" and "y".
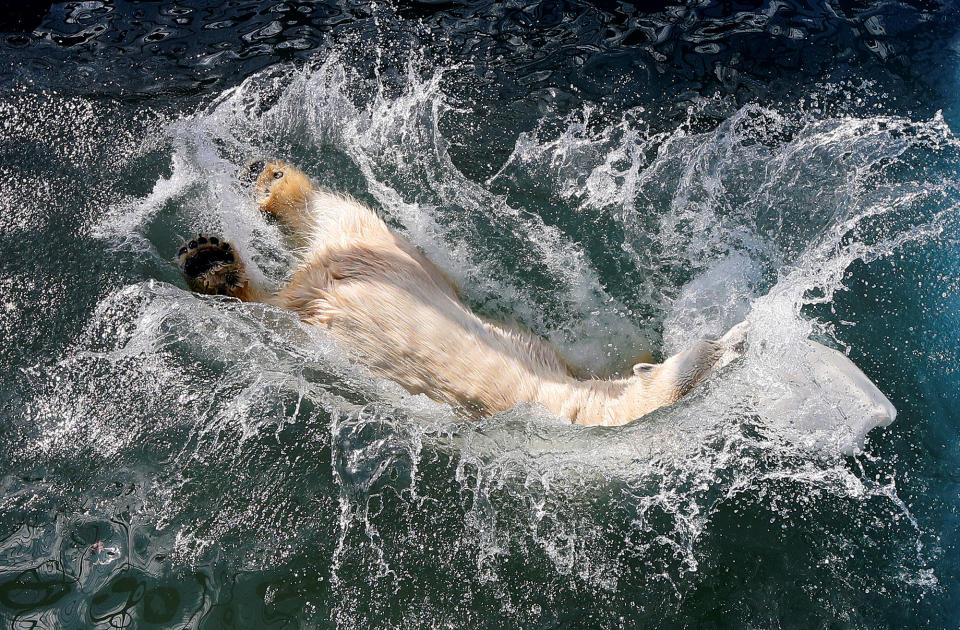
{"x": 401, "y": 316}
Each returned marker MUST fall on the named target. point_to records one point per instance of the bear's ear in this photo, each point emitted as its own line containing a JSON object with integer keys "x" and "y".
{"x": 643, "y": 369}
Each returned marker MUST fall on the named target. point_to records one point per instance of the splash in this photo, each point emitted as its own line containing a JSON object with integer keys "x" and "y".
{"x": 677, "y": 235}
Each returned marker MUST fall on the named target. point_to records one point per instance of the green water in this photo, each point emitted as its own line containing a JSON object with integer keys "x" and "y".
{"x": 169, "y": 460}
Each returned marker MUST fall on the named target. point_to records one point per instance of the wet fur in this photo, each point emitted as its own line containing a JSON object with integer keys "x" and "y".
{"x": 402, "y": 317}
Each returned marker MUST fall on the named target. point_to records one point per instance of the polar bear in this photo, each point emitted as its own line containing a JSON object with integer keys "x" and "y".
{"x": 402, "y": 317}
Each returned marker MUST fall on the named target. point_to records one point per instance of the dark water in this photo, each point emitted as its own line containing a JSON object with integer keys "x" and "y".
{"x": 618, "y": 177}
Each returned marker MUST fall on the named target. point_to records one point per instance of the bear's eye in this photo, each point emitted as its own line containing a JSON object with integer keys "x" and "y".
{"x": 278, "y": 175}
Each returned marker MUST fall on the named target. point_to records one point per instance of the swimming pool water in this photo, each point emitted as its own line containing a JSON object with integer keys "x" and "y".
{"x": 619, "y": 177}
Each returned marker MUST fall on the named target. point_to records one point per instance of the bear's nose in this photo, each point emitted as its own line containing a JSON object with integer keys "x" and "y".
{"x": 250, "y": 174}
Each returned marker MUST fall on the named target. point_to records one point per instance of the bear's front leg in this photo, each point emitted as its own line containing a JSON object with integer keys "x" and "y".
{"x": 210, "y": 265}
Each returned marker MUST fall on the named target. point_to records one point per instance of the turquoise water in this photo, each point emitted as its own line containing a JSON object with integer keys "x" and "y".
{"x": 619, "y": 179}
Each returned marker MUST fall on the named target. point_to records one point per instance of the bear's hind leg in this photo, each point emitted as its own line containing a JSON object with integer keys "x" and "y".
{"x": 211, "y": 266}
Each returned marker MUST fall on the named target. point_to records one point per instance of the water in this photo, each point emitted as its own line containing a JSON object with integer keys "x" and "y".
{"x": 622, "y": 180}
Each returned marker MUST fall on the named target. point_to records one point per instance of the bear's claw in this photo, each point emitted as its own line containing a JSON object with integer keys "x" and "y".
{"x": 210, "y": 265}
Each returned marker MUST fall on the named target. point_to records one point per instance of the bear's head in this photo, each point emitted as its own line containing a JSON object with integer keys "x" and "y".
{"x": 669, "y": 381}
{"x": 653, "y": 386}
{"x": 281, "y": 188}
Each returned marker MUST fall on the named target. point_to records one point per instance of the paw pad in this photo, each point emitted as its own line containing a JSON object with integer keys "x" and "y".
{"x": 210, "y": 265}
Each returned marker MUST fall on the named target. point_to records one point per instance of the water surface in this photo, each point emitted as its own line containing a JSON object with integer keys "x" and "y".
{"x": 619, "y": 178}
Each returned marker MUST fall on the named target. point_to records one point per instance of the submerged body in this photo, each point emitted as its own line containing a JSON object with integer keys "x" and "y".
{"x": 397, "y": 313}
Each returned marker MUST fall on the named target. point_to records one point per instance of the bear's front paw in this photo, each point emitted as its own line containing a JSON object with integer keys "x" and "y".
{"x": 210, "y": 265}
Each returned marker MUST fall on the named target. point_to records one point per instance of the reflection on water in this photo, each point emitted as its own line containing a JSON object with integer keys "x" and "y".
{"x": 617, "y": 179}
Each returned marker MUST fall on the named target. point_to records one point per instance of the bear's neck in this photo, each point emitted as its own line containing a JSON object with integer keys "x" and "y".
{"x": 592, "y": 402}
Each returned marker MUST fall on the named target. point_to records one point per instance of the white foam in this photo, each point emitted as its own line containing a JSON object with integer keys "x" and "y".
{"x": 711, "y": 303}
{"x": 718, "y": 226}
{"x": 714, "y": 196}
{"x": 825, "y": 402}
